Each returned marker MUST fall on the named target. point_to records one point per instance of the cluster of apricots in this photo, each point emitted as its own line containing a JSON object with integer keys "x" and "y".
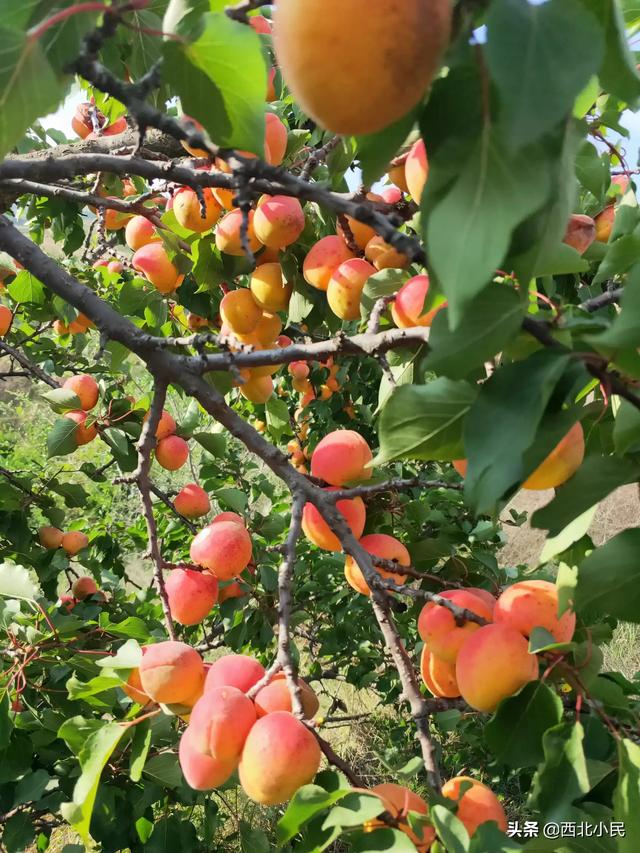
{"x": 90, "y": 123}
{"x": 82, "y": 588}
{"x": 273, "y": 751}
{"x": 171, "y": 451}
{"x": 584, "y": 230}
{"x": 86, "y": 390}
{"x": 486, "y": 663}
{"x": 299, "y": 372}
{"x": 72, "y": 542}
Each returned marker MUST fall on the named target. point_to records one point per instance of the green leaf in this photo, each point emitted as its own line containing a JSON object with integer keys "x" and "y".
{"x": 25, "y": 288}
{"x": 609, "y": 578}
{"x": 74, "y": 495}
{"x": 354, "y": 810}
{"x": 19, "y": 833}
{"x": 382, "y": 283}
{"x": 93, "y": 756}
{"x": 17, "y": 582}
{"x": 83, "y": 690}
{"x": 253, "y": 839}
{"x": 514, "y": 734}
{"x": 31, "y": 787}
{"x": 621, "y": 255}
{"x": 6, "y": 723}
{"x": 61, "y": 439}
{"x": 492, "y": 319}
{"x": 165, "y": 769}
{"x": 450, "y": 830}
{"x": 568, "y": 536}
{"x": 489, "y": 837}
{"x": 626, "y": 797}
{"x": 214, "y": 443}
{"x": 62, "y": 399}
{"x": 383, "y": 839}
{"x": 625, "y": 328}
{"x": 376, "y": 150}
{"x": 278, "y": 417}
{"x": 540, "y": 58}
{"x": 592, "y": 169}
{"x": 562, "y": 777}
{"x": 76, "y": 730}
{"x": 235, "y": 499}
{"x": 139, "y": 750}
{"x": 425, "y": 421}
{"x": 597, "y": 477}
{"x": 128, "y": 656}
{"x": 306, "y": 803}
{"x": 626, "y": 429}
{"x": 617, "y": 71}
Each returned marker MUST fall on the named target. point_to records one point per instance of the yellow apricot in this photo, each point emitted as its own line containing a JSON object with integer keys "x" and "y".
{"x": 228, "y": 233}
{"x": 383, "y": 546}
{"x": 561, "y": 464}
{"x": 270, "y": 290}
{"x": 323, "y": 259}
{"x": 345, "y": 288}
{"x": 240, "y": 311}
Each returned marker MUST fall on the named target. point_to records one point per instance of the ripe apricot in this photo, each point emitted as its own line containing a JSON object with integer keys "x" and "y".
{"x": 240, "y": 311}
{"x": 224, "y": 548}
{"x": 153, "y": 261}
{"x": 171, "y": 671}
{"x": 202, "y": 771}
{"x": 561, "y": 464}
{"x": 6, "y": 319}
{"x": 276, "y": 139}
{"x": 384, "y": 256}
{"x": 461, "y": 466}
{"x": 257, "y": 389}
{"x": 276, "y": 696}
{"x": 188, "y": 209}
{"x": 318, "y": 531}
{"x": 279, "y": 221}
{"x": 172, "y": 452}
{"x": 438, "y": 675}
{"x": 50, "y": 537}
{"x": 83, "y": 433}
{"x": 341, "y": 456}
{"x": 268, "y": 328}
{"x": 83, "y": 587}
{"x": 191, "y": 595}
{"x": 115, "y": 220}
{"x": 477, "y": 805}
{"x": 416, "y": 170}
{"x": 192, "y": 501}
{"x": 345, "y": 288}
{"x": 229, "y": 516}
{"x": 232, "y": 590}
{"x": 485, "y": 595}
{"x": 239, "y": 671}
{"x": 604, "y": 224}
{"x": 406, "y": 309}
{"x": 270, "y": 290}
{"x": 580, "y": 233}
{"x": 221, "y": 720}
{"x": 329, "y": 54}
{"x": 494, "y": 663}
{"x": 271, "y": 95}
{"x": 139, "y": 232}
{"x": 133, "y": 688}
{"x": 437, "y": 625}
{"x": 380, "y": 545}
{"x": 228, "y": 231}
{"x": 85, "y": 388}
{"x": 73, "y": 542}
{"x": 323, "y": 259}
{"x": 398, "y": 801}
{"x": 534, "y": 604}
{"x": 279, "y": 756}
{"x": 396, "y": 175}
{"x": 166, "y": 425}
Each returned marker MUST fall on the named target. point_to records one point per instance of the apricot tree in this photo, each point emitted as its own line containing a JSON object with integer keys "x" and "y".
{"x": 319, "y": 287}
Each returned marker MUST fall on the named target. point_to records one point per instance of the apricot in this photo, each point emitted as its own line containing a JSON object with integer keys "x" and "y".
{"x": 276, "y": 139}
{"x": 318, "y": 531}
{"x": 397, "y": 176}
{"x": 380, "y": 545}
{"x": 477, "y": 805}
{"x": 188, "y": 209}
{"x": 50, "y": 537}
{"x": 232, "y": 590}
{"x": 6, "y": 319}
{"x": 416, "y": 170}
{"x": 485, "y": 595}
{"x": 276, "y": 696}
{"x": 340, "y": 457}
{"x": 269, "y": 289}
{"x": 83, "y": 433}
{"x": 323, "y": 259}
{"x": 140, "y": 232}
{"x": 580, "y": 233}
{"x": 202, "y": 771}
{"x": 191, "y": 595}
{"x": 279, "y": 221}
{"x": 153, "y": 261}
{"x": 604, "y": 224}
{"x": 83, "y": 587}
{"x": 67, "y": 601}
{"x": 345, "y": 288}
{"x": 240, "y": 311}
{"x": 85, "y": 388}
{"x": 438, "y": 675}
{"x": 437, "y": 625}
{"x": 192, "y": 501}
{"x": 115, "y": 267}
{"x": 115, "y": 220}
{"x": 268, "y": 328}
{"x": 534, "y": 604}
{"x": 561, "y": 464}
{"x": 224, "y": 548}
{"x": 461, "y": 466}
{"x": 228, "y": 232}
{"x": 257, "y": 389}
{"x": 239, "y": 671}
{"x": 494, "y": 663}
{"x": 360, "y": 231}
{"x": 392, "y": 195}
{"x": 384, "y": 256}
{"x": 73, "y": 542}
{"x": 271, "y": 95}
{"x": 398, "y": 801}
{"x": 171, "y": 671}
{"x": 330, "y": 56}
{"x": 279, "y": 756}
{"x": 221, "y": 720}
{"x": 406, "y": 309}
{"x": 229, "y": 516}
{"x": 133, "y": 688}
{"x": 172, "y": 452}
{"x": 166, "y": 425}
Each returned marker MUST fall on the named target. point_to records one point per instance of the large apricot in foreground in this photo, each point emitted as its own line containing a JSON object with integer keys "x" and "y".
{"x": 279, "y": 756}
{"x": 437, "y": 625}
{"x": 561, "y": 464}
{"x": 477, "y": 805}
{"x": 166, "y": 425}
{"x": 345, "y": 287}
{"x": 133, "y": 688}
{"x": 438, "y": 675}
{"x": 341, "y": 456}
{"x": 276, "y": 696}
{"x": 323, "y": 259}
{"x": 85, "y": 388}
{"x": 139, "y": 232}
{"x": 153, "y": 261}
{"x": 201, "y": 770}
{"x": 534, "y": 604}
{"x": 224, "y": 548}
{"x": 221, "y": 719}
{"x": 172, "y": 452}
{"x": 257, "y": 389}
{"x": 191, "y": 595}
{"x": 239, "y": 671}
{"x": 604, "y": 224}
{"x": 6, "y": 319}
{"x": 318, "y": 531}
{"x": 171, "y": 672}
{"x": 84, "y": 432}
{"x": 492, "y": 664}
{"x": 383, "y": 546}
{"x": 407, "y": 307}
{"x": 384, "y": 256}
{"x": 357, "y": 68}
{"x": 276, "y": 138}
{"x": 192, "y": 501}
{"x": 279, "y": 221}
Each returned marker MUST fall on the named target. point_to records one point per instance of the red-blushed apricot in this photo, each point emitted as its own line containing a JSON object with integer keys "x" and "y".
{"x": 224, "y": 548}
{"x": 228, "y": 231}
{"x": 534, "y": 604}
{"x": 270, "y": 290}
{"x": 384, "y": 256}
{"x": 85, "y": 388}
{"x": 83, "y": 433}
{"x": 399, "y": 801}
{"x": 330, "y": 53}
{"x": 68, "y": 602}
{"x": 187, "y": 208}
{"x": 276, "y": 139}
{"x": 239, "y": 671}
{"x": 345, "y": 287}
{"x": 341, "y": 456}
{"x": 139, "y": 232}
{"x": 318, "y": 531}
{"x": 240, "y": 311}
{"x": 271, "y": 95}
{"x": 416, "y": 170}
{"x": 191, "y": 595}
{"x": 229, "y": 516}
{"x": 279, "y": 221}
{"x": 438, "y": 675}
{"x": 461, "y": 466}
{"x": 232, "y": 590}
{"x": 192, "y": 501}
{"x": 115, "y": 266}
{"x": 6, "y": 319}
{"x": 166, "y": 425}
{"x": 561, "y": 464}
{"x": 221, "y": 720}
{"x": 406, "y": 309}
{"x": 493, "y": 663}
{"x": 83, "y": 587}
{"x": 133, "y": 688}
{"x": 276, "y": 696}
{"x": 172, "y": 452}
{"x": 580, "y": 233}
{"x": 73, "y": 542}
{"x": 360, "y": 232}
{"x": 260, "y": 24}
{"x": 299, "y": 370}
{"x": 477, "y": 805}
{"x": 279, "y": 756}
{"x": 171, "y": 671}
{"x": 323, "y": 259}
{"x": 380, "y": 545}
{"x": 153, "y": 261}
{"x": 392, "y": 195}
{"x": 437, "y": 625}
{"x": 50, "y": 537}
{"x": 115, "y": 220}
{"x": 485, "y": 595}
{"x": 604, "y": 224}
{"x": 202, "y": 771}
